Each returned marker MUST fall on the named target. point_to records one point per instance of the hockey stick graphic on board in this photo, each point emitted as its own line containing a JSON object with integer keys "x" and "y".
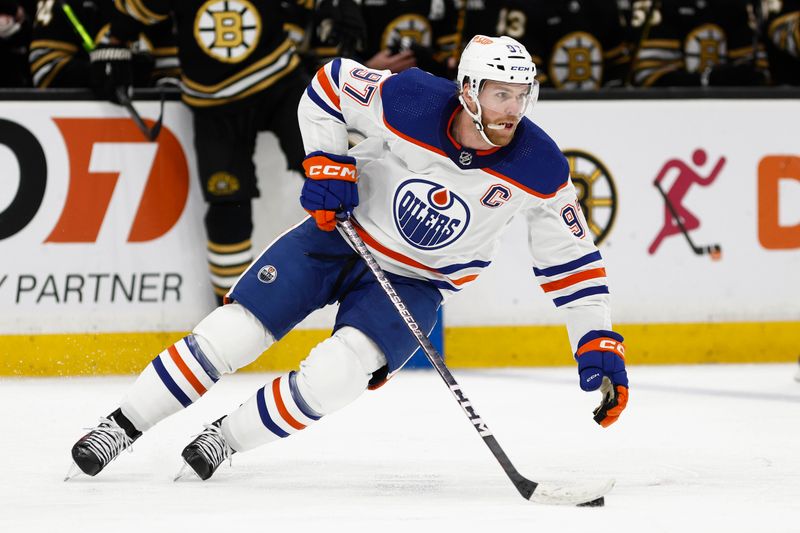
{"x": 583, "y": 495}
{"x": 713, "y": 250}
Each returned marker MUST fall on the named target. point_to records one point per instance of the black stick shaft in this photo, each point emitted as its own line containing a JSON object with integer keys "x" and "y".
{"x": 678, "y": 219}
{"x": 523, "y": 485}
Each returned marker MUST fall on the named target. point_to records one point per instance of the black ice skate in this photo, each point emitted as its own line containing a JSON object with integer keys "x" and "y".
{"x": 206, "y": 452}
{"x": 103, "y": 444}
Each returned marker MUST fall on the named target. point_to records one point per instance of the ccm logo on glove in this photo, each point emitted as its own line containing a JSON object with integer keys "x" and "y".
{"x": 320, "y": 168}
{"x": 330, "y": 188}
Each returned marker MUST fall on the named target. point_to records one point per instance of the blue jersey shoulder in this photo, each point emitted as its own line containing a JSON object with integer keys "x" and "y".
{"x": 415, "y": 102}
{"x": 535, "y": 160}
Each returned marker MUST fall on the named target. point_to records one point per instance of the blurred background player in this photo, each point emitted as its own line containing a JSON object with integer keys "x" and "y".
{"x": 59, "y": 57}
{"x": 389, "y": 34}
{"x": 239, "y": 76}
{"x": 781, "y": 32}
{"x": 576, "y": 44}
{"x": 697, "y": 43}
{"x": 477, "y": 163}
{"x": 16, "y": 18}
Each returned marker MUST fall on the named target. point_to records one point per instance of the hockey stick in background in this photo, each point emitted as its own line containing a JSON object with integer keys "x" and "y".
{"x": 584, "y": 496}
{"x": 151, "y": 134}
{"x": 645, "y": 33}
{"x": 713, "y": 250}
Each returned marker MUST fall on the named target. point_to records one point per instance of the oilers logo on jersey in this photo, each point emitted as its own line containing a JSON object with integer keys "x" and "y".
{"x": 429, "y": 216}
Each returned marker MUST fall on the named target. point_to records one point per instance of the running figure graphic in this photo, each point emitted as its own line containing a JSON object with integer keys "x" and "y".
{"x": 687, "y": 176}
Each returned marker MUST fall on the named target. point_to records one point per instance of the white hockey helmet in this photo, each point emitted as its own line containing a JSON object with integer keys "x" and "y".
{"x": 501, "y": 59}
{"x": 495, "y": 58}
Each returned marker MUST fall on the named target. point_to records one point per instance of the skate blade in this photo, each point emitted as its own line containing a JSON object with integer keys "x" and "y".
{"x": 74, "y": 471}
{"x": 186, "y": 471}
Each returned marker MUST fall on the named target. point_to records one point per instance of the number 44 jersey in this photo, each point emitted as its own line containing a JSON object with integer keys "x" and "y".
{"x": 433, "y": 209}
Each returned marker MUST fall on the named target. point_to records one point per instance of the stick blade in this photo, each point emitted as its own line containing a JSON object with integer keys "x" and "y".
{"x": 588, "y": 495}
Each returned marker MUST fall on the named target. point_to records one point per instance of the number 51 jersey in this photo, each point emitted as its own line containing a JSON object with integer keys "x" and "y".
{"x": 433, "y": 209}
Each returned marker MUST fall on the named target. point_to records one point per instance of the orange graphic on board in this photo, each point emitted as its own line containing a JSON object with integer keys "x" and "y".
{"x": 771, "y": 170}
{"x": 89, "y": 195}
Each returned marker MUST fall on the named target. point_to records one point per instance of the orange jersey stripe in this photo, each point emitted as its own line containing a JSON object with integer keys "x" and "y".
{"x": 188, "y": 374}
{"x": 367, "y": 238}
{"x": 573, "y": 279}
{"x": 521, "y": 186}
{"x": 276, "y": 392}
{"x": 323, "y": 80}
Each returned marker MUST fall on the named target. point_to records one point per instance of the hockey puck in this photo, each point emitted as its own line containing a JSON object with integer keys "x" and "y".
{"x": 599, "y": 502}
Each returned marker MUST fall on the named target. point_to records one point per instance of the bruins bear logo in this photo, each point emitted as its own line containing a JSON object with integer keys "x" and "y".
{"x": 411, "y": 27}
{"x": 577, "y": 62}
{"x": 222, "y": 184}
{"x": 705, "y": 47}
{"x": 596, "y": 192}
{"x": 227, "y": 30}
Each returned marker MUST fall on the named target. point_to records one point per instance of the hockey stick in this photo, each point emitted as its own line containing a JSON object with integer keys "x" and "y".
{"x": 713, "y": 250}
{"x": 585, "y": 496}
{"x": 122, "y": 97}
{"x": 645, "y": 33}
{"x": 150, "y": 133}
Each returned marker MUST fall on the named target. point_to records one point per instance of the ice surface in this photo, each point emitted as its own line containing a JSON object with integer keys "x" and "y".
{"x": 699, "y": 449}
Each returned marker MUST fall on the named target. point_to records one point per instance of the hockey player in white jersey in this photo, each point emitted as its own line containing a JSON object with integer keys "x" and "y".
{"x": 443, "y": 170}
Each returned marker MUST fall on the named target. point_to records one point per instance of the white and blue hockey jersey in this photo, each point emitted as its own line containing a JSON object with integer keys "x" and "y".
{"x": 433, "y": 209}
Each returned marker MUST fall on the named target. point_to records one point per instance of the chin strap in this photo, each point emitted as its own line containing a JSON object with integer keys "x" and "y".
{"x": 476, "y": 118}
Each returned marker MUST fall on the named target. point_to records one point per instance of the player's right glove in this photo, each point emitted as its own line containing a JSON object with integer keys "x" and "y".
{"x": 601, "y": 365}
{"x": 111, "y": 71}
{"x": 330, "y": 188}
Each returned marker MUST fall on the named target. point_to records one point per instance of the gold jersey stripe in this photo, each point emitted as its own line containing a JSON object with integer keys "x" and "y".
{"x": 46, "y": 59}
{"x": 54, "y": 45}
{"x": 258, "y": 65}
{"x": 229, "y": 248}
{"x": 221, "y": 291}
{"x": 48, "y": 79}
{"x": 203, "y": 102}
{"x": 661, "y": 43}
{"x": 227, "y": 271}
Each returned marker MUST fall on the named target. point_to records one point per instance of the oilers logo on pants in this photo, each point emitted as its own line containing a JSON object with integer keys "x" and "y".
{"x": 428, "y": 215}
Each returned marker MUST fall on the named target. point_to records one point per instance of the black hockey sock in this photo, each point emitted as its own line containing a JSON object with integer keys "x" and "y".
{"x": 123, "y": 422}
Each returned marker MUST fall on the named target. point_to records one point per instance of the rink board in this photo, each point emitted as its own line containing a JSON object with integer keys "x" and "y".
{"x": 102, "y": 251}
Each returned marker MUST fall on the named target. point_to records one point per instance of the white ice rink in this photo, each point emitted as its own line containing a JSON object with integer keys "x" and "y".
{"x": 699, "y": 449}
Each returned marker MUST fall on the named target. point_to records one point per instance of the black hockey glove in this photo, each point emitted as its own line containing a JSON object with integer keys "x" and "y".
{"x": 347, "y": 26}
{"x": 422, "y": 54}
{"x": 111, "y": 72}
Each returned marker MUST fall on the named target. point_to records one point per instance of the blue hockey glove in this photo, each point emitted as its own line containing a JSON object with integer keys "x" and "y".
{"x": 601, "y": 365}
{"x": 330, "y": 188}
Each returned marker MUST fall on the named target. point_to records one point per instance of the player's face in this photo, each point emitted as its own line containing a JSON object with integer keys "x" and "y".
{"x": 503, "y": 105}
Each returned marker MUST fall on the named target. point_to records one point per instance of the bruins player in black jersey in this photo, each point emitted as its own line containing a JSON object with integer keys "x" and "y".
{"x": 576, "y": 44}
{"x": 781, "y": 32}
{"x": 58, "y": 56}
{"x": 390, "y": 34}
{"x": 698, "y": 42}
{"x": 239, "y": 76}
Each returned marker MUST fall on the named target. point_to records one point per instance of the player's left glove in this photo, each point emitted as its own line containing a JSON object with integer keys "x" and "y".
{"x": 330, "y": 188}
{"x": 601, "y": 365}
